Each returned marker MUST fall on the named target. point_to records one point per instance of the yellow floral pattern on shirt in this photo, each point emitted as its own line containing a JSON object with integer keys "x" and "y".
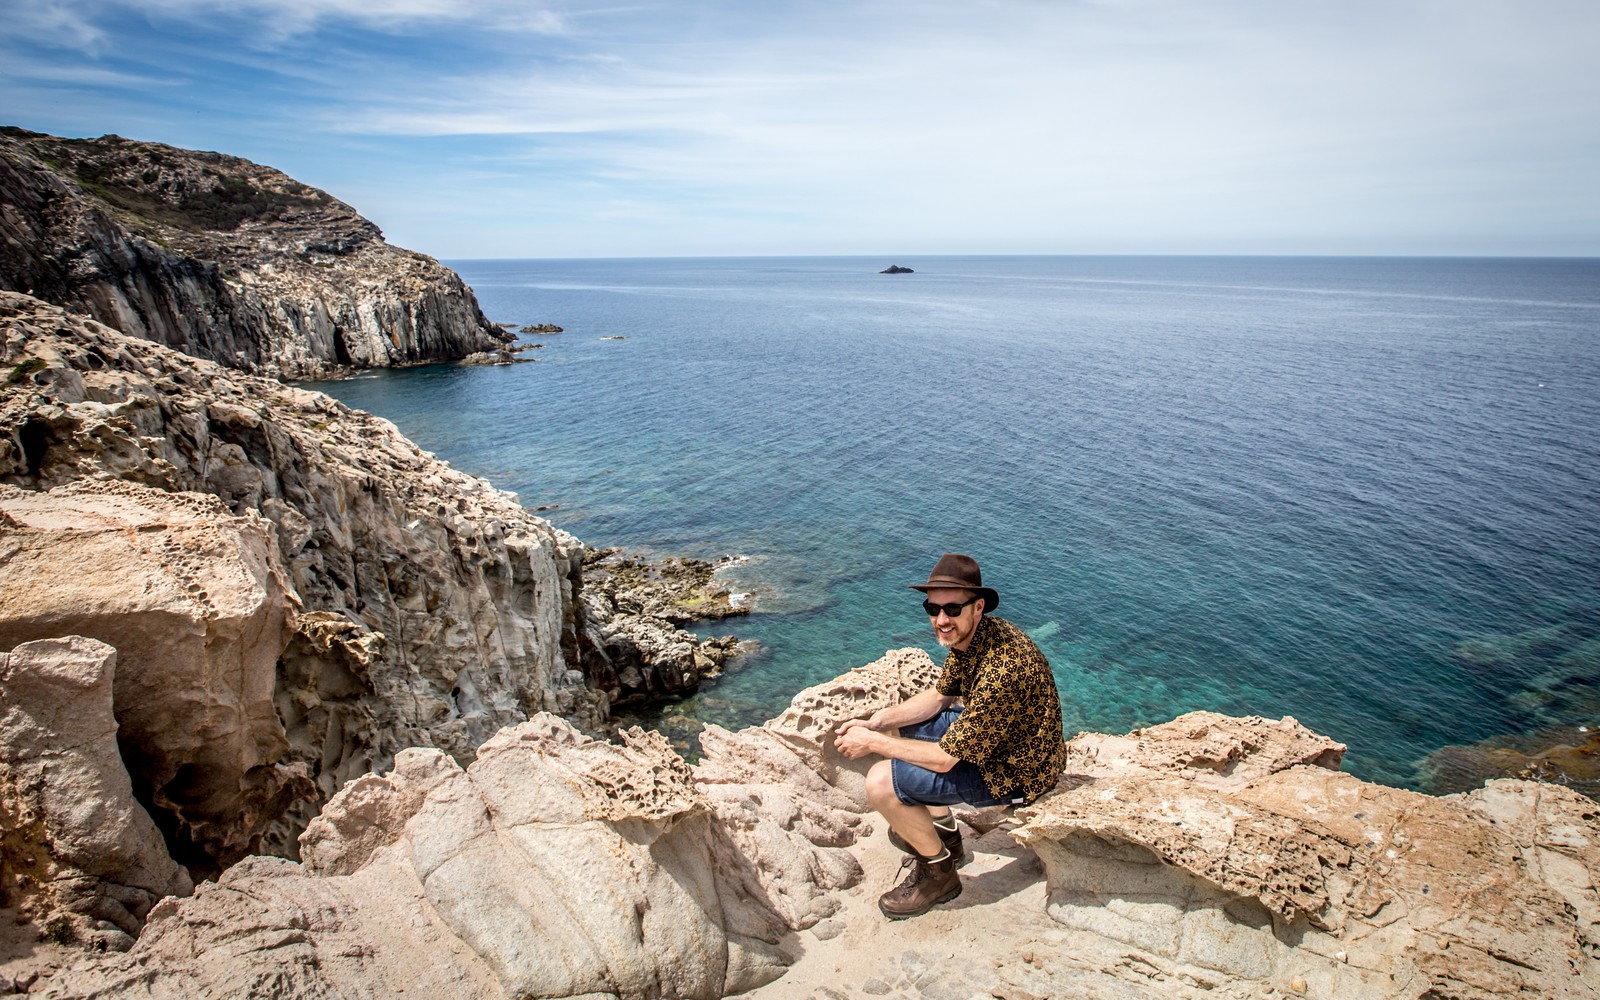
{"x": 1011, "y": 725}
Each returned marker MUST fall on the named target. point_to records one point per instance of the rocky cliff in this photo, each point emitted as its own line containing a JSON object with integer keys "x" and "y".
{"x": 1208, "y": 857}
{"x": 223, "y": 259}
{"x": 293, "y": 589}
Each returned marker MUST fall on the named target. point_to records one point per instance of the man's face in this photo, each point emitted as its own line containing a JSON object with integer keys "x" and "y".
{"x": 955, "y": 633}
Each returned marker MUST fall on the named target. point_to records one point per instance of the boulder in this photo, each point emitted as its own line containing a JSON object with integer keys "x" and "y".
{"x": 196, "y": 602}
{"x": 1227, "y": 851}
{"x": 79, "y": 856}
{"x": 554, "y": 866}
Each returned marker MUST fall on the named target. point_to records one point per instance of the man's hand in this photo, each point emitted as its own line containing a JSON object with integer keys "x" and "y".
{"x": 869, "y": 723}
{"x": 856, "y": 738}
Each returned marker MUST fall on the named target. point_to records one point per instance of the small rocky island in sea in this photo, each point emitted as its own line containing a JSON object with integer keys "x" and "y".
{"x": 290, "y": 707}
{"x": 896, "y": 269}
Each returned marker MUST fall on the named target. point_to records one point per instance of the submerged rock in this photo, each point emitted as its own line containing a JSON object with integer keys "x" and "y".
{"x": 1564, "y": 755}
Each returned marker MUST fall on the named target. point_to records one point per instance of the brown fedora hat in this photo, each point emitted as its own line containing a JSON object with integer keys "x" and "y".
{"x": 960, "y": 572}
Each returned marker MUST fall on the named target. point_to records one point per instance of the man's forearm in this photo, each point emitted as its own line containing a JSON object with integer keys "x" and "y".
{"x": 917, "y": 708}
{"x": 923, "y": 753}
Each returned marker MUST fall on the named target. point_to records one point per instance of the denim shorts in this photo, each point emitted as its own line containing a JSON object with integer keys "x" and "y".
{"x": 962, "y": 783}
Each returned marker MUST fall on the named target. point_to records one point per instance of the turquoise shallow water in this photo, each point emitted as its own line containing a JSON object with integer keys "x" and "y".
{"x": 1360, "y": 491}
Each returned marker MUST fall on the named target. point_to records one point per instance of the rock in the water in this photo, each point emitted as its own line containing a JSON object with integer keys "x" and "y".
{"x": 896, "y": 269}
{"x": 75, "y": 848}
{"x": 222, "y": 259}
{"x": 500, "y": 357}
{"x": 634, "y": 613}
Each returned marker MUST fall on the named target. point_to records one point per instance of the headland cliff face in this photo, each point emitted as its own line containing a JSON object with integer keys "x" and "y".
{"x": 222, "y": 259}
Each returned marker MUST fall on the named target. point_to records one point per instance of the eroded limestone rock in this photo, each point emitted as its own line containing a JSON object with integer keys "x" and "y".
{"x": 1207, "y": 858}
{"x": 1221, "y": 851}
{"x": 554, "y": 866}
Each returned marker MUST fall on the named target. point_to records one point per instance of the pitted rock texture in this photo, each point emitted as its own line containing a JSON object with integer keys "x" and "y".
{"x": 77, "y": 853}
{"x": 197, "y": 604}
{"x": 1271, "y": 870}
{"x": 434, "y": 609}
{"x": 222, "y": 259}
{"x": 790, "y": 801}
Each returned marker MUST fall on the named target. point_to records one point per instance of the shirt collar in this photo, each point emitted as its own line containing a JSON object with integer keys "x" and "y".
{"x": 982, "y": 637}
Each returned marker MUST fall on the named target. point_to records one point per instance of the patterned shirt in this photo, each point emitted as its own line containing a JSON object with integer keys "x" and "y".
{"x": 1011, "y": 725}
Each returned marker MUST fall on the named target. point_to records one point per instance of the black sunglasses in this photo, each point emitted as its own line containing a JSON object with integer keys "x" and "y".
{"x": 950, "y": 610}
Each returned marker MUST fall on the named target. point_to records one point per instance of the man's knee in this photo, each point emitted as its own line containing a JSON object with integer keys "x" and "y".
{"x": 880, "y": 784}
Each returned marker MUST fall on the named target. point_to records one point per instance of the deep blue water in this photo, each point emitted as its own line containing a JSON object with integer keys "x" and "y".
{"x": 1254, "y": 485}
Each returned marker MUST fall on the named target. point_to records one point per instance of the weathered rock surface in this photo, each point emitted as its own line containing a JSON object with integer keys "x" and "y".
{"x": 425, "y": 608}
{"x": 434, "y": 610}
{"x": 222, "y": 259}
{"x": 81, "y": 856}
{"x": 1208, "y": 857}
{"x": 554, "y": 866}
{"x": 196, "y": 602}
{"x": 1221, "y": 852}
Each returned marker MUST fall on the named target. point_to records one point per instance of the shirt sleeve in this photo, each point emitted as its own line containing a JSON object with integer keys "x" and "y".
{"x": 950, "y": 682}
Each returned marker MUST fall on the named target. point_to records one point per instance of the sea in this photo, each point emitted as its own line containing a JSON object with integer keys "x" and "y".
{"x": 1363, "y": 492}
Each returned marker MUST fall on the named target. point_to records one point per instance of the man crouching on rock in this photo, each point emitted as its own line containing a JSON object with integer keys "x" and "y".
{"x": 1004, "y": 748}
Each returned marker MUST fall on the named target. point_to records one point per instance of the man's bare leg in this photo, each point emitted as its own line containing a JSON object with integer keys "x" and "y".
{"x": 914, "y": 824}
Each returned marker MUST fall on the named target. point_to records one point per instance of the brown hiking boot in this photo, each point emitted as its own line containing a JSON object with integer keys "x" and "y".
{"x": 929, "y": 884}
{"x": 950, "y": 838}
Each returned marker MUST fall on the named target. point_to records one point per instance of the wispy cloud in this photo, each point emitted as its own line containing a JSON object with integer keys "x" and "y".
{"x": 55, "y": 22}
{"x": 293, "y": 18}
{"x": 1068, "y": 124}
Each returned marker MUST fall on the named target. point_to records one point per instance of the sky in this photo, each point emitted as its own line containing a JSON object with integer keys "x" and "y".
{"x": 543, "y": 128}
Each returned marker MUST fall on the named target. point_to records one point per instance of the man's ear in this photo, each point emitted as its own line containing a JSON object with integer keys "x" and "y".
{"x": 981, "y": 603}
